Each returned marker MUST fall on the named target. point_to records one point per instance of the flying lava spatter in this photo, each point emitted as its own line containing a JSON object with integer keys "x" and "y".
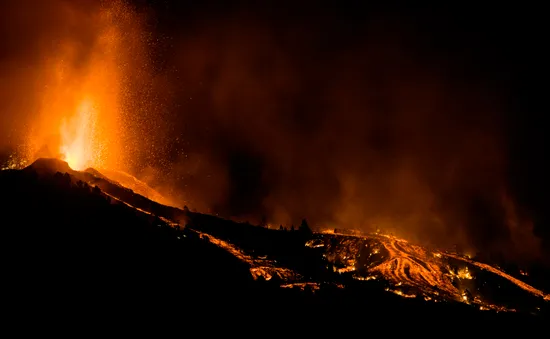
{"x": 77, "y": 138}
{"x": 89, "y": 109}
{"x": 81, "y": 106}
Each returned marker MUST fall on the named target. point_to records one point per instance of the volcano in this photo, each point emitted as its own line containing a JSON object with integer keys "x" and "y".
{"x": 84, "y": 241}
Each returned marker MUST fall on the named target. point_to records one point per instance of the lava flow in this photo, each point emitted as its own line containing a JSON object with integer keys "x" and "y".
{"x": 129, "y": 181}
{"x": 412, "y": 271}
{"x": 259, "y": 267}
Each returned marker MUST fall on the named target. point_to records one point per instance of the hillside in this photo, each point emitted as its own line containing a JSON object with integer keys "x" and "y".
{"x": 69, "y": 240}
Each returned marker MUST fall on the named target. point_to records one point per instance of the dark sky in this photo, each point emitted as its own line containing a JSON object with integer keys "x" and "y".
{"x": 348, "y": 113}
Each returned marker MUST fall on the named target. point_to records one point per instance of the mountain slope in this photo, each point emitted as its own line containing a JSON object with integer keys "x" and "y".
{"x": 68, "y": 243}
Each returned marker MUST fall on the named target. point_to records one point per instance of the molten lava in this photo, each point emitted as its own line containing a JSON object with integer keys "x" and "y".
{"x": 89, "y": 108}
{"x": 85, "y": 91}
{"x": 413, "y": 271}
{"x": 81, "y": 106}
{"x": 77, "y": 134}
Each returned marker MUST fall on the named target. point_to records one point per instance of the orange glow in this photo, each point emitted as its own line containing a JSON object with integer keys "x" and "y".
{"x": 81, "y": 108}
{"x": 91, "y": 106}
{"x": 77, "y": 137}
{"x": 412, "y": 268}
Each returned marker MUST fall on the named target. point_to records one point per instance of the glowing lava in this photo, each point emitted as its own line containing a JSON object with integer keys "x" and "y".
{"x": 412, "y": 270}
{"x": 85, "y": 98}
{"x": 77, "y": 137}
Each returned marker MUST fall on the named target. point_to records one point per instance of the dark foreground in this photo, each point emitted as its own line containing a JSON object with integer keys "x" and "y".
{"x": 72, "y": 253}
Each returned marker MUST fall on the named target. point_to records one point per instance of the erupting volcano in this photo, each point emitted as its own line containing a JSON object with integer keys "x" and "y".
{"x": 82, "y": 106}
{"x": 86, "y": 109}
{"x": 250, "y": 154}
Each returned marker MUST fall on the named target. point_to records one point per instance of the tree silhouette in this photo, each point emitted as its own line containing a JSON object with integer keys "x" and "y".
{"x": 304, "y": 227}
{"x": 96, "y": 190}
{"x": 67, "y": 179}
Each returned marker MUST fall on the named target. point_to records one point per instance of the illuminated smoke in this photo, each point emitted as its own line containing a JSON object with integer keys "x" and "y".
{"x": 378, "y": 132}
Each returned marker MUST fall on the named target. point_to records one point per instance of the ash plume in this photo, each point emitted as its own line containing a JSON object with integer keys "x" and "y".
{"x": 375, "y": 132}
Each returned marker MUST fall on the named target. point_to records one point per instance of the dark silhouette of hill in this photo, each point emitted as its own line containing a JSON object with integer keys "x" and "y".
{"x": 67, "y": 238}
{"x": 95, "y": 178}
{"x": 70, "y": 248}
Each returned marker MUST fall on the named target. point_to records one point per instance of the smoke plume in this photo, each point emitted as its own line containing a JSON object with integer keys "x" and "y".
{"x": 378, "y": 132}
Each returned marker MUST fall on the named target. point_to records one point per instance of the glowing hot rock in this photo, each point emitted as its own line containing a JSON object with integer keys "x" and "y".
{"x": 78, "y": 148}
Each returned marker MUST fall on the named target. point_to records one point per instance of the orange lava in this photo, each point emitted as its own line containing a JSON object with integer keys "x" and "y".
{"x": 78, "y": 138}
{"x": 138, "y": 186}
{"x": 506, "y": 276}
{"x": 81, "y": 108}
{"x": 412, "y": 268}
{"x": 412, "y": 264}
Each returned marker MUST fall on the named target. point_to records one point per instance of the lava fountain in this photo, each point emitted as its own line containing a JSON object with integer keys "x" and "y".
{"x": 77, "y": 134}
{"x": 85, "y": 96}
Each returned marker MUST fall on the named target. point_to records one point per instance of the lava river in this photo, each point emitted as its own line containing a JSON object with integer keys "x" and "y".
{"x": 414, "y": 271}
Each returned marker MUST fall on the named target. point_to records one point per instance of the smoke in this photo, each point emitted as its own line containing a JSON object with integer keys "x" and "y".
{"x": 349, "y": 125}
{"x": 374, "y": 132}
